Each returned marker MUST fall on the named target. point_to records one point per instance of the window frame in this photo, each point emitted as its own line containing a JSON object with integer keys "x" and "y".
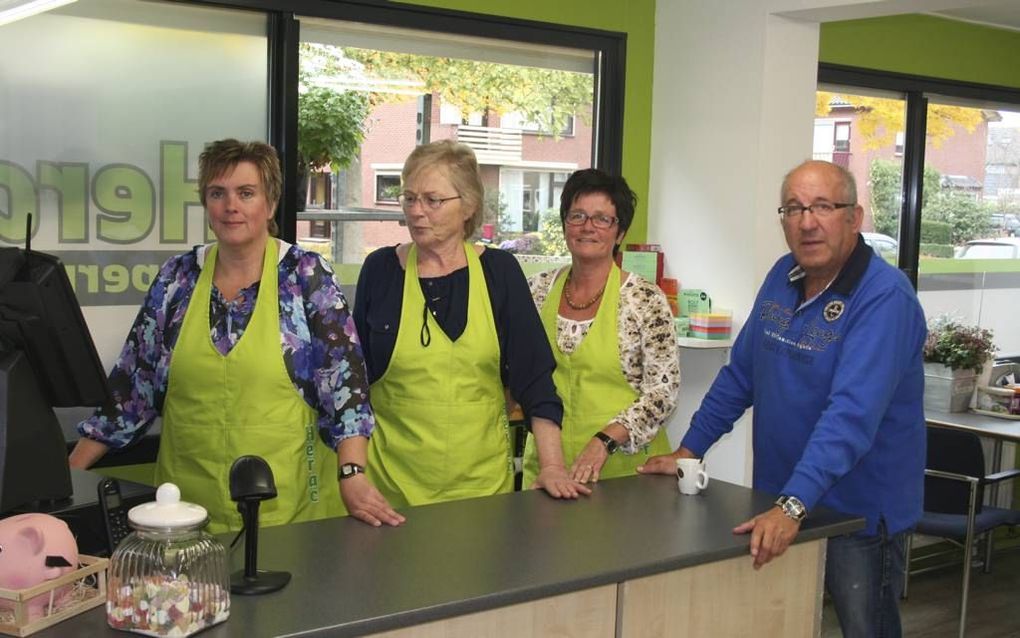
{"x": 377, "y": 173}
{"x": 915, "y": 90}
{"x": 609, "y": 47}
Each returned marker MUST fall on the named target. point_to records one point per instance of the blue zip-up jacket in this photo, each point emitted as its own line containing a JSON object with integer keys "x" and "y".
{"x": 837, "y": 387}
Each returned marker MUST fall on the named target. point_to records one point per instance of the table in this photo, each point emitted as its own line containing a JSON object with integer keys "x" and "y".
{"x": 999, "y": 430}
{"x": 633, "y": 557}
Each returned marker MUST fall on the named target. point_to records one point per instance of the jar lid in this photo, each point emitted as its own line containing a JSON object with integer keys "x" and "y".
{"x": 167, "y": 511}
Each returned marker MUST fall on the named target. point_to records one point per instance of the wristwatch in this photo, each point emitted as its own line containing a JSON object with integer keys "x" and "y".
{"x": 792, "y": 507}
{"x": 347, "y": 470}
{"x": 608, "y": 441}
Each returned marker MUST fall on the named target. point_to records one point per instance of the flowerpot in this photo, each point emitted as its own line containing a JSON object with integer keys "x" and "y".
{"x": 984, "y": 379}
{"x": 948, "y": 390}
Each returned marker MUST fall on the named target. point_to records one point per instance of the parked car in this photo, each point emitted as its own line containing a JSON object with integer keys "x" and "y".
{"x": 884, "y": 245}
{"x": 1004, "y": 223}
{"x": 994, "y": 248}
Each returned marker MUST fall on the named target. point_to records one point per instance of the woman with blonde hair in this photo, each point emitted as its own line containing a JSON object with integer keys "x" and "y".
{"x": 446, "y": 325}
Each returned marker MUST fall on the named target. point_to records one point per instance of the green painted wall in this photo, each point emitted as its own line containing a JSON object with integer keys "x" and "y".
{"x": 636, "y": 18}
{"x": 925, "y": 45}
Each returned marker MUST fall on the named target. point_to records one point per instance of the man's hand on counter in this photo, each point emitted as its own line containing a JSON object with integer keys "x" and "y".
{"x": 665, "y": 463}
{"x": 558, "y": 484}
{"x": 771, "y": 533}
{"x": 365, "y": 503}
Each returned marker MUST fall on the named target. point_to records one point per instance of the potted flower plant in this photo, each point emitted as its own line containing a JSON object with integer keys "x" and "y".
{"x": 954, "y": 354}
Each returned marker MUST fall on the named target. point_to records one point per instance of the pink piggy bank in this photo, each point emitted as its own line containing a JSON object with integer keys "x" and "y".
{"x": 35, "y": 548}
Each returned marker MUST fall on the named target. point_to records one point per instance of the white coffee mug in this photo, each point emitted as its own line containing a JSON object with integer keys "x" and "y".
{"x": 691, "y": 475}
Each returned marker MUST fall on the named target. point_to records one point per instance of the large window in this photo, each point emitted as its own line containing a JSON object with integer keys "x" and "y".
{"x": 396, "y": 88}
{"x": 946, "y": 185}
{"x": 951, "y": 190}
{"x": 970, "y": 265}
{"x": 105, "y": 106}
{"x": 858, "y": 129}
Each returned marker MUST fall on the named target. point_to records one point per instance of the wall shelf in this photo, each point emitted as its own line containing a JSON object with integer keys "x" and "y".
{"x": 691, "y": 342}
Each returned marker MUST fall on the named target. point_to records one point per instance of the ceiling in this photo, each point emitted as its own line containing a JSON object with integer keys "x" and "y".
{"x": 1004, "y": 13}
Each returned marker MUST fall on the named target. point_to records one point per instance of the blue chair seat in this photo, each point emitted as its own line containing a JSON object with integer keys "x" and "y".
{"x": 954, "y": 486}
{"x": 955, "y": 525}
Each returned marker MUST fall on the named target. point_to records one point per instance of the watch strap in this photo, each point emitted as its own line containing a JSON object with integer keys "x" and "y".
{"x": 608, "y": 441}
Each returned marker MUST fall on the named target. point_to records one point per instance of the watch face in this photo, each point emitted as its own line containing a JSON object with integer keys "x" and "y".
{"x": 794, "y": 508}
{"x": 348, "y": 470}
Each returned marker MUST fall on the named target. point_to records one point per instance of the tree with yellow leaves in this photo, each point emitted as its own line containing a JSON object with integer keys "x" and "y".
{"x": 879, "y": 119}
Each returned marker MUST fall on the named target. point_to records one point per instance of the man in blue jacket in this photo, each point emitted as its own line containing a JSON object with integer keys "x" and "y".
{"x": 830, "y": 358}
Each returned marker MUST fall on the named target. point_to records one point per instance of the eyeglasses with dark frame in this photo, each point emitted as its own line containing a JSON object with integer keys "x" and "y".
{"x": 578, "y": 218}
{"x": 431, "y": 202}
{"x": 819, "y": 209}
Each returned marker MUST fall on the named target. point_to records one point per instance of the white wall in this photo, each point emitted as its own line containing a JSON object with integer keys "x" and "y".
{"x": 732, "y": 111}
{"x": 733, "y": 108}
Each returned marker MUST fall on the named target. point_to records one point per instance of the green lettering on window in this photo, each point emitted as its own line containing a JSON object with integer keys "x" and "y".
{"x": 178, "y": 192}
{"x": 126, "y": 199}
{"x": 18, "y": 189}
{"x": 70, "y": 181}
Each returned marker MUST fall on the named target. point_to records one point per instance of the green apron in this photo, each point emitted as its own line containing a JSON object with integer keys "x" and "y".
{"x": 441, "y": 427}
{"x": 221, "y": 407}
{"x": 592, "y": 385}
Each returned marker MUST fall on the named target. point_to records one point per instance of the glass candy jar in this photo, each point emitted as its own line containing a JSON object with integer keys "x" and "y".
{"x": 168, "y": 577}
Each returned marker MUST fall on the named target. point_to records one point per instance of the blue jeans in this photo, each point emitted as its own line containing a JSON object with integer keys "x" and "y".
{"x": 864, "y": 577}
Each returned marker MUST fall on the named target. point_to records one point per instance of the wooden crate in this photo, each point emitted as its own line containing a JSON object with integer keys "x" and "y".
{"x": 91, "y": 573}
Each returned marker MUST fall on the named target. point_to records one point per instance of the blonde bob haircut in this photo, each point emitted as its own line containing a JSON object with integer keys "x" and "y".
{"x": 458, "y": 163}
{"x": 222, "y": 156}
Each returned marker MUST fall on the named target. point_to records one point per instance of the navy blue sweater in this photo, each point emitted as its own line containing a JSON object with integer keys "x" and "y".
{"x": 526, "y": 358}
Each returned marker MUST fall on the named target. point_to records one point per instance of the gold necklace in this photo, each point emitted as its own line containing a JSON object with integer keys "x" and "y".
{"x": 579, "y": 306}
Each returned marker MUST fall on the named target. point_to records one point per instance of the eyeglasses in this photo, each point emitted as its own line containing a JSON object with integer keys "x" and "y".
{"x": 431, "y": 202}
{"x": 577, "y": 218}
{"x": 820, "y": 209}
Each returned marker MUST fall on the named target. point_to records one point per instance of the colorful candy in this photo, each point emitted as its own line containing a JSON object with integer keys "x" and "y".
{"x": 166, "y": 607}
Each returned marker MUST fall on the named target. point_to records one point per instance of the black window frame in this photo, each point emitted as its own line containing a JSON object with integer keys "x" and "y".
{"x": 610, "y": 49}
{"x": 915, "y": 90}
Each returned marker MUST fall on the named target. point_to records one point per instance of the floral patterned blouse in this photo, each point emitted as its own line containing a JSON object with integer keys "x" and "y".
{"x": 320, "y": 347}
{"x": 648, "y": 353}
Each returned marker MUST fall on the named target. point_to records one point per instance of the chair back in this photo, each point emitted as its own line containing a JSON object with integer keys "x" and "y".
{"x": 959, "y": 453}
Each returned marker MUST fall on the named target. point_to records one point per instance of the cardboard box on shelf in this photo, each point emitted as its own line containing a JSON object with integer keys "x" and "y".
{"x": 671, "y": 288}
{"x": 694, "y": 300}
{"x": 645, "y": 263}
{"x": 683, "y": 326}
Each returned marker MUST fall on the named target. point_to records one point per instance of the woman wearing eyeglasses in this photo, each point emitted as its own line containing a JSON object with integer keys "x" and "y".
{"x": 445, "y": 325}
{"x": 612, "y": 335}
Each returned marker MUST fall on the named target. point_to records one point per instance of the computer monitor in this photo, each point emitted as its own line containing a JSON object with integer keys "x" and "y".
{"x": 47, "y": 360}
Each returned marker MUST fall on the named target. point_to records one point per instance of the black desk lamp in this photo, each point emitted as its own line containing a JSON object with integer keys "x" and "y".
{"x": 251, "y": 482}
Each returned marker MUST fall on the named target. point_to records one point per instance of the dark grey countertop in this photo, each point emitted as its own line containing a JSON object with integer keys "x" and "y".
{"x": 467, "y": 556}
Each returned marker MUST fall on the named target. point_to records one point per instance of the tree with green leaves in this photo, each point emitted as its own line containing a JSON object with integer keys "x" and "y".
{"x": 966, "y": 215}
{"x": 330, "y": 127}
{"x": 547, "y": 97}
{"x": 885, "y": 181}
{"x": 331, "y": 121}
